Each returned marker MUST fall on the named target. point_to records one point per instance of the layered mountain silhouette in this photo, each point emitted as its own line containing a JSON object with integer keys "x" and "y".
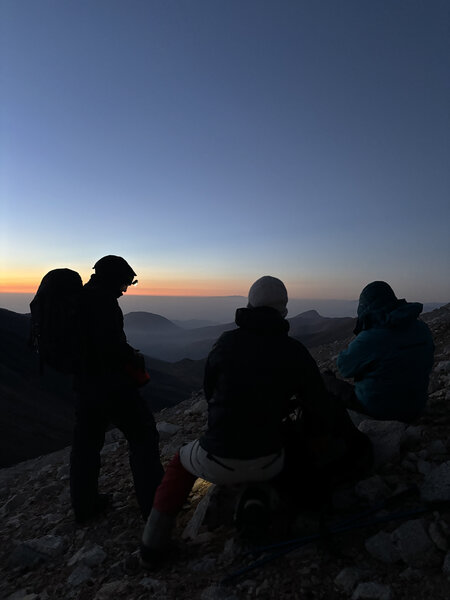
{"x": 158, "y": 337}
{"x": 153, "y": 324}
{"x": 314, "y": 330}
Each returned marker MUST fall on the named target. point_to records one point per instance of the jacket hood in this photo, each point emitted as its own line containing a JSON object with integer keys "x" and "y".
{"x": 379, "y": 307}
{"x": 378, "y": 295}
{"x": 262, "y": 319}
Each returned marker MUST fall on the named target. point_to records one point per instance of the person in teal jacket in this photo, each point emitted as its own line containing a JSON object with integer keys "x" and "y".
{"x": 391, "y": 357}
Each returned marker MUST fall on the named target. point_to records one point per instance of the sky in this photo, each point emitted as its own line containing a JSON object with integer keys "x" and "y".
{"x": 210, "y": 142}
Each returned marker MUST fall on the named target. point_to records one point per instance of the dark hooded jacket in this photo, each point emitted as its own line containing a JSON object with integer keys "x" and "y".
{"x": 251, "y": 375}
{"x": 104, "y": 351}
{"x": 391, "y": 357}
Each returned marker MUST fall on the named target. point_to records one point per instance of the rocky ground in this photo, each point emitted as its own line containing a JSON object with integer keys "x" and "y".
{"x": 43, "y": 555}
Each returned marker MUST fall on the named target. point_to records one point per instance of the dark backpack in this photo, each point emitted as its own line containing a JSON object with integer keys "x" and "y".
{"x": 317, "y": 463}
{"x": 55, "y": 321}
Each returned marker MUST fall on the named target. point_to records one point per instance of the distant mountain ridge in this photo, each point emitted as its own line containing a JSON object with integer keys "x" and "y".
{"x": 314, "y": 330}
{"x": 137, "y": 321}
{"x": 213, "y": 309}
{"x": 158, "y": 337}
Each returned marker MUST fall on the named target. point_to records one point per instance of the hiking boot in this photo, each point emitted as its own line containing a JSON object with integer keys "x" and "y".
{"x": 154, "y": 558}
{"x": 101, "y": 504}
{"x": 253, "y": 516}
{"x": 156, "y": 545}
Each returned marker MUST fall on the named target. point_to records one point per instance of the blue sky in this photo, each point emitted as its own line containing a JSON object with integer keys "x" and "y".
{"x": 212, "y": 142}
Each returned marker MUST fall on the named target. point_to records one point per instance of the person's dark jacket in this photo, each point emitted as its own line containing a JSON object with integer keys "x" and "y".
{"x": 390, "y": 359}
{"x": 251, "y": 376}
{"x": 103, "y": 349}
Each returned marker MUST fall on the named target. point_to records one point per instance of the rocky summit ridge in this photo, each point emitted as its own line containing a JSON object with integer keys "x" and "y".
{"x": 43, "y": 555}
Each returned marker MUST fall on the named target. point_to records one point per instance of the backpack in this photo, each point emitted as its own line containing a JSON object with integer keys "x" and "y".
{"x": 55, "y": 320}
{"x": 316, "y": 464}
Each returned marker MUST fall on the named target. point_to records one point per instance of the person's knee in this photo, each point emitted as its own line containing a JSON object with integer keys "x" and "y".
{"x": 174, "y": 488}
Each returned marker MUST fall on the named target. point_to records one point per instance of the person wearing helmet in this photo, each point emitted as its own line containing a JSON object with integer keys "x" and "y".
{"x": 106, "y": 393}
{"x": 251, "y": 375}
{"x": 390, "y": 359}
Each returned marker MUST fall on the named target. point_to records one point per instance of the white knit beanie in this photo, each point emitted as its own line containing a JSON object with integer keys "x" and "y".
{"x": 268, "y": 291}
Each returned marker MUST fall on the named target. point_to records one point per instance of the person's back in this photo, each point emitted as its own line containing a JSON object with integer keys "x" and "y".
{"x": 104, "y": 348}
{"x": 391, "y": 357}
{"x": 250, "y": 376}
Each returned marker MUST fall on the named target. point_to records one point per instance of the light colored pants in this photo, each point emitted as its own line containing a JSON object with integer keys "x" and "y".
{"x": 189, "y": 463}
{"x": 229, "y": 471}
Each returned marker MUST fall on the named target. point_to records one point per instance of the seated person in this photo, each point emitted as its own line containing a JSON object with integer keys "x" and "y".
{"x": 251, "y": 375}
{"x": 390, "y": 359}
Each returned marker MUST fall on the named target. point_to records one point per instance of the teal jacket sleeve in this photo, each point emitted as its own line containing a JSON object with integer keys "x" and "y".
{"x": 359, "y": 357}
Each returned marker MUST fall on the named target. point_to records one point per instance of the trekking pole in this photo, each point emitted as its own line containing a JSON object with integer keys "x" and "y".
{"x": 337, "y": 529}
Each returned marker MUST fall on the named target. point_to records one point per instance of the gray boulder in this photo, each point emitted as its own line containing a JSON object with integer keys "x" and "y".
{"x": 79, "y": 575}
{"x": 382, "y": 547}
{"x": 371, "y": 590}
{"x": 30, "y": 553}
{"x": 91, "y": 557}
{"x": 436, "y": 485}
{"x": 347, "y": 579}
{"x": 414, "y": 546}
{"x": 167, "y": 430}
{"x": 386, "y": 437}
{"x": 372, "y": 489}
{"x": 446, "y": 565}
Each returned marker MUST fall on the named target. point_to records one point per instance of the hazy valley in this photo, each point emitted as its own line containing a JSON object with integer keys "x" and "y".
{"x": 38, "y": 410}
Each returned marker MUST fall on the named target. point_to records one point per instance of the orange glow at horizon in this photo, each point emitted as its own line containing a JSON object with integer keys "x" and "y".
{"x": 30, "y": 285}
{"x": 182, "y": 291}
{"x": 159, "y": 291}
{"x": 23, "y": 284}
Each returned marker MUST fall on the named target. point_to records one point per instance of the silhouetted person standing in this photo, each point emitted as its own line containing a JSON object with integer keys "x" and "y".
{"x": 107, "y": 393}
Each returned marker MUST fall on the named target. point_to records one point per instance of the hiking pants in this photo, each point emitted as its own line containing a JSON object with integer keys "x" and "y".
{"x": 191, "y": 462}
{"x": 123, "y": 407}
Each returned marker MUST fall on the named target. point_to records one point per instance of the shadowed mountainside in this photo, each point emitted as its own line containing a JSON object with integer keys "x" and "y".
{"x": 37, "y": 411}
{"x": 314, "y": 330}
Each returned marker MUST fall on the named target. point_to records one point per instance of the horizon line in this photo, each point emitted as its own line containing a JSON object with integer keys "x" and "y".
{"x": 221, "y": 296}
{"x": 206, "y": 296}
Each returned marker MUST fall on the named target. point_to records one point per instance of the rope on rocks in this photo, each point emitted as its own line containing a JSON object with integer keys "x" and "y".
{"x": 353, "y": 523}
